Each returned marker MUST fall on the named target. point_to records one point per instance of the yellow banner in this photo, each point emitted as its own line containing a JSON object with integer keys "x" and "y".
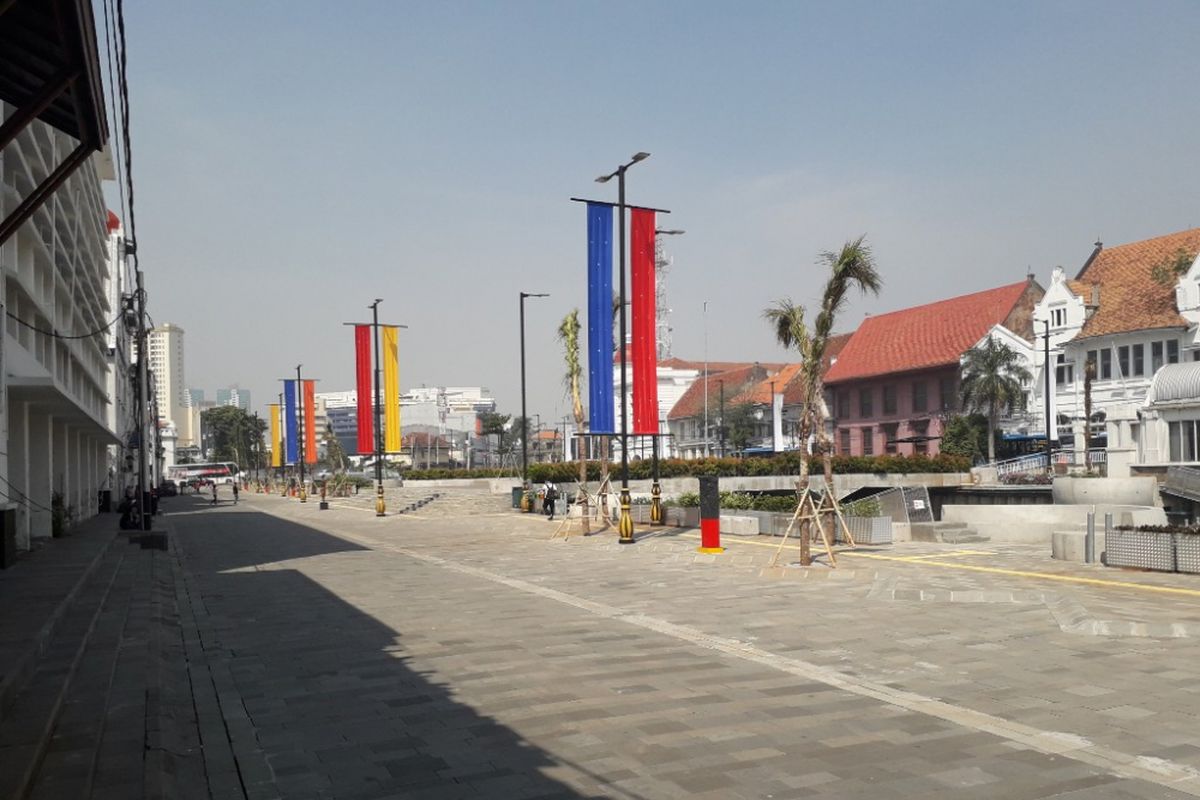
{"x": 391, "y": 389}
{"x": 276, "y": 453}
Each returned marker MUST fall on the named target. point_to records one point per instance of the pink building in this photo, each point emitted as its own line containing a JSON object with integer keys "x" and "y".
{"x": 895, "y": 383}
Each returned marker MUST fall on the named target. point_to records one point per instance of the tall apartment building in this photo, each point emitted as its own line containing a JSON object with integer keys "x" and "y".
{"x": 233, "y": 396}
{"x": 54, "y": 415}
{"x": 165, "y": 348}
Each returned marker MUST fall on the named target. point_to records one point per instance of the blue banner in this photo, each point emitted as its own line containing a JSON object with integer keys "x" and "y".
{"x": 289, "y": 421}
{"x": 601, "y": 400}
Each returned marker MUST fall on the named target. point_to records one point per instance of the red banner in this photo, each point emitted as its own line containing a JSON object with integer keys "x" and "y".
{"x": 642, "y": 327}
{"x": 310, "y": 422}
{"x": 362, "y": 354}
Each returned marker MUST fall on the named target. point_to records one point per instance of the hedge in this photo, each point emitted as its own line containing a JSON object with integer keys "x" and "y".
{"x": 782, "y": 464}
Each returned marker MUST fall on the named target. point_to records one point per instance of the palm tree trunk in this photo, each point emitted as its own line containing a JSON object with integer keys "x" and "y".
{"x": 582, "y": 496}
{"x": 992, "y": 438}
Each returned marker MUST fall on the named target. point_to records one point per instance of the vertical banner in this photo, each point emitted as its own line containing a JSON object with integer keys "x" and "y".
{"x": 310, "y": 422}
{"x": 362, "y": 372}
{"x": 644, "y": 348}
{"x": 276, "y": 454}
{"x": 600, "y": 318}
{"x": 289, "y": 421}
{"x": 391, "y": 389}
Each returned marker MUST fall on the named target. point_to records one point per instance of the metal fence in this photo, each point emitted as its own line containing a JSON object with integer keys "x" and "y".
{"x": 905, "y": 504}
{"x": 1164, "y": 552}
{"x": 1034, "y": 462}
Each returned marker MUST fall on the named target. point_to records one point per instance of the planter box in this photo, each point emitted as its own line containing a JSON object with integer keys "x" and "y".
{"x": 868, "y": 530}
{"x": 1187, "y": 553}
{"x": 682, "y": 517}
{"x": 1141, "y": 549}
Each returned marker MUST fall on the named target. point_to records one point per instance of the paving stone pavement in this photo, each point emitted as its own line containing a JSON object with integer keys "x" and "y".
{"x": 465, "y": 654}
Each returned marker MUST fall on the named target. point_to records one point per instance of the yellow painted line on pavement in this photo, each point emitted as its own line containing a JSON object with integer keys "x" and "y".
{"x": 1015, "y": 573}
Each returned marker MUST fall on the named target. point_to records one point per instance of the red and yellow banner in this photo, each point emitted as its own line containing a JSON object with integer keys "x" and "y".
{"x": 644, "y": 351}
{"x": 276, "y": 437}
{"x": 391, "y": 389}
{"x": 362, "y": 372}
{"x": 310, "y": 422}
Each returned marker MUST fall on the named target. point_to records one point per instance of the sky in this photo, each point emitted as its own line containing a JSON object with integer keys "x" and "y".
{"x": 295, "y": 160}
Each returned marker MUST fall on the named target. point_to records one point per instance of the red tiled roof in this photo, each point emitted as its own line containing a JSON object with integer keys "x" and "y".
{"x": 760, "y": 393}
{"x": 1130, "y": 298}
{"x": 736, "y": 381}
{"x": 922, "y": 337}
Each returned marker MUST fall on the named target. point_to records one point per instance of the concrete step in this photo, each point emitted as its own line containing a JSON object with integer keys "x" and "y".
{"x": 946, "y": 532}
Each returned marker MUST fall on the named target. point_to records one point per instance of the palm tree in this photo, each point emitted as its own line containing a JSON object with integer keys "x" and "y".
{"x": 568, "y": 334}
{"x": 852, "y": 266}
{"x": 993, "y": 382}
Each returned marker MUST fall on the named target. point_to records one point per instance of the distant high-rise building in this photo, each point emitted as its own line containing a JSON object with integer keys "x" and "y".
{"x": 233, "y": 396}
{"x": 196, "y": 396}
{"x": 165, "y": 346}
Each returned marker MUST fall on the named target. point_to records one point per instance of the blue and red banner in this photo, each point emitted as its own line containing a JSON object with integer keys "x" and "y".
{"x": 601, "y": 405}
{"x": 289, "y": 421}
{"x": 644, "y": 350}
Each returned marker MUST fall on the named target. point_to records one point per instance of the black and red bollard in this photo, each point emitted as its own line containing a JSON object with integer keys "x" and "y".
{"x": 710, "y": 515}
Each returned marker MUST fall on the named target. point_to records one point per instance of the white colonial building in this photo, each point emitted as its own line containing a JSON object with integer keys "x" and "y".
{"x": 1129, "y": 312}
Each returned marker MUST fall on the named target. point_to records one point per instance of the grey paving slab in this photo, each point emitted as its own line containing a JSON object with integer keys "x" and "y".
{"x": 461, "y": 653}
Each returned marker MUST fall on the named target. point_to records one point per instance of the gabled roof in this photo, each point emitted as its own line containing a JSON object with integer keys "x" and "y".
{"x": 923, "y": 337}
{"x": 760, "y": 393}
{"x": 1130, "y": 297}
{"x": 735, "y": 381}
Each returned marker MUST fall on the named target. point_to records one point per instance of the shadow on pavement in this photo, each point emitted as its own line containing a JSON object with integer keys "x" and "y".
{"x": 326, "y": 703}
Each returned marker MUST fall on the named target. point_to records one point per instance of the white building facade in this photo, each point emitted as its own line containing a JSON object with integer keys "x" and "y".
{"x": 54, "y": 390}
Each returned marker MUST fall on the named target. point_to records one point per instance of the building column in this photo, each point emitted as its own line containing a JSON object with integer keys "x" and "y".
{"x": 40, "y": 444}
{"x": 18, "y": 468}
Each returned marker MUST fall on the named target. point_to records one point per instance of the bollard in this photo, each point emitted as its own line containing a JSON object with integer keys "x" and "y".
{"x": 1108, "y": 526}
{"x": 710, "y": 515}
{"x": 1089, "y": 539}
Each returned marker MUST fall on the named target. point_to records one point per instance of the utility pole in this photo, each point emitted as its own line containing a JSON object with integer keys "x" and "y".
{"x": 143, "y": 487}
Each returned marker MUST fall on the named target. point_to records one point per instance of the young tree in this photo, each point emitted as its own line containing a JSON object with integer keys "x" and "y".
{"x": 568, "y": 335}
{"x": 493, "y": 424}
{"x": 740, "y": 424}
{"x": 852, "y": 266}
{"x": 993, "y": 382}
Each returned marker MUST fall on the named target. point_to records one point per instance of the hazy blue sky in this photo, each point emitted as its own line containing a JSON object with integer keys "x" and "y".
{"x": 294, "y": 160}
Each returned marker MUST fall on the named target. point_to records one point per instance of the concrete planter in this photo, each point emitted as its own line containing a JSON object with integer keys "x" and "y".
{"x": 1140, "y": 491}
{"x": 1187, "y": 553}
{"x": 682, "y": 517}
{"x": 868, "y": 530}
{"x": 1140, "y": 549}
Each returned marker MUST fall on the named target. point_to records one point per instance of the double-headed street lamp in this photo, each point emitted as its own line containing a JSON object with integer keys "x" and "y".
{"x": 626, "y": 524}
{"x": 524, "y": 415}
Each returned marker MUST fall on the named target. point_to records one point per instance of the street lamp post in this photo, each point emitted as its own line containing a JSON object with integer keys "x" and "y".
{"x": 301, "y": 432}
{"x": 626, "y": 524}
{"x": 1049, "y": 464}
{"x": 380, "y": 505}
{"x": 721, "y": 420}
{"x": 705, "y": 317}
{"x": 282, "y": 450}
{"x": 524, "y": 414}
{"x": 656, "y": 513}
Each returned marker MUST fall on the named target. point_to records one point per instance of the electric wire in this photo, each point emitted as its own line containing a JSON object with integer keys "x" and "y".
{"x": 118, "y": 149}
{"x": 123, "y": 72}
{"x": 57, "y": 335}
{"x": 28, "y": 500}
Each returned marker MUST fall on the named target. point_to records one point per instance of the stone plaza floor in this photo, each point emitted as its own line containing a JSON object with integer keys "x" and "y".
{"x": 459, "y": 651}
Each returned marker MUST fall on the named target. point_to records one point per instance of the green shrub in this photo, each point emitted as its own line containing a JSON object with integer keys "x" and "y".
{"x": 687, "y": 500}
{"x": 866, "y": 507}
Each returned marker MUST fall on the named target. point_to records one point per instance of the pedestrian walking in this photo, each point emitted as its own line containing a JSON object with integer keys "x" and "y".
{"x": 235, "y": 493}
{"x": 214, "y": 500}
{"x": 550, "y": 494}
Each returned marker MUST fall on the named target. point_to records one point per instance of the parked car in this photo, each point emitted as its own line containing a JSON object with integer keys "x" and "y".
{"x": 168, "y": 488}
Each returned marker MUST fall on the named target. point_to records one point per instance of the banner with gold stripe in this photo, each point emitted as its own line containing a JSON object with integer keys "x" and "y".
{"x": 391, "y": 389}
{"x": 276, "y": 436}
